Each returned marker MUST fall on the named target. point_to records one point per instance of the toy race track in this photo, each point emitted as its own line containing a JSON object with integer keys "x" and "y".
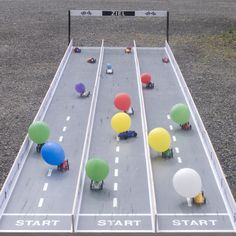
{"x": 138, "y": 195}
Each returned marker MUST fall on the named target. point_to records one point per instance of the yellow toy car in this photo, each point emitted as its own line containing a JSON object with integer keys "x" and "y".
{"x": 199, "y": 199}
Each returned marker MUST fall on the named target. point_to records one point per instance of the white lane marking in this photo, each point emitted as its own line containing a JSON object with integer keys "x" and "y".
{"x": 34, "y": 214}
{"x": 116, "y": 172}
{"x": 168, "y": 117}
{"x": 174, "y": 138}
{"x": 114, "y": 202}
{"x": 115, "y": 186}
{"x": 61, "y": 138}
{"x": 171, "y": 127}
{"x": 189, "y": 202}
{"x": 117, "y": 149}
{"x": 40, "y": 202}
{"x": 49, "y": 172}
{"x": 193, "y": 214}
{"x": 177, "y": 150}
{"x": 64, "y": 129}
{"x": 67, "y": 118}
{"x": 45, "y": 187}
{"x": 179, "y": 159}
{"x": 117, "y": 138}
{"x": 117, "y": 160}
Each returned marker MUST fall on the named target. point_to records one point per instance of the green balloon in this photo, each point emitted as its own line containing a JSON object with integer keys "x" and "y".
{"x": 97, "y": 169}
{"x": 39, "y": 132}
{"x": 180, "y": 113}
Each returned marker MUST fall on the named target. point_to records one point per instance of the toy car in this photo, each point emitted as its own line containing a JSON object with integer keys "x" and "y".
{"x": 64, "y": 166}
{"x": 77, "y": 50}
{"x": 85, "y": 94}
{"x": 91, "y": 60}
{"x": 128, "y": 50}
{"x": 150, "y": 85}
{"x": 167, "y": 154}
{"x": 109, "y": 69}
{"x": 39, "y": 147}
{"x": 165, "y": 60}
{"x": 127, "y": 134}
{"x": 96, "y": 185}
{"x": 130, "y": 111}
{"x": 199, "y": 199}
{"x": 186, "y": 126}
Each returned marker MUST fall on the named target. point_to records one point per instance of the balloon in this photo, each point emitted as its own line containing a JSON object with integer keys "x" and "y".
{"x": 97, "y": 169}
{"x": 53, "y": 153}
{"x": 146, "y": 78}
{"x": 159, "y": 139}
{"x": 120, "y": 122}
{"x": 187, "y": 183}
{"x": 122, "y": 101}
{"x": 180, "y": 113}
{"x": 80, "y": 88}
{"x": 109, "y": 66}
{"x": 39, "y": 132}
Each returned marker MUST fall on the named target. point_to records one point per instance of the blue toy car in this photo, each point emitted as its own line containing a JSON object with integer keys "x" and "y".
{"x": 127, "y": 134}
{"x": 109, "y": 69}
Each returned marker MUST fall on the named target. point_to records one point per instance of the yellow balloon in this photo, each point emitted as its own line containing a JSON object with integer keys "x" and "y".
{"x": 159, "y": 139}
{"x": 120, "y": 122}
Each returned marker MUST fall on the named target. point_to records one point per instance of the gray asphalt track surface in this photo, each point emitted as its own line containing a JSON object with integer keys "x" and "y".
{"x": 33, "y": 38}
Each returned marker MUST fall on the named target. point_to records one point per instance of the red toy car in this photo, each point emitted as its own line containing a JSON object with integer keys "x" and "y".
{"x": 165, "y": 60}
{"x": 64, "y": 166}
{"x": 91, "y": 60}
{"x": 186, "y": 126}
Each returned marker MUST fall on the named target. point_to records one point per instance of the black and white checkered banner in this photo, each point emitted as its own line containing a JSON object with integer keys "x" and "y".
{"x": 147, "y": 13}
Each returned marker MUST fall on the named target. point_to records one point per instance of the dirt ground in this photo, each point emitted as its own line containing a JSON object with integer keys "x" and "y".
{"x": 33, "y": 38}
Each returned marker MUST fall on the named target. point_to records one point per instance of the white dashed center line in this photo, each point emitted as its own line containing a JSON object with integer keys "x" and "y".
{"x": 40, "y": 202}
{"x": 49, "y": 172}
{"x": 168, "y": 117}
{"x": 116, "y": 172}
{"x": 117, "y": 149}
{"x": 64, "y": 129}
{"x": 117, "y": 160}
{"x": 174, "y": 138}
{"x": 117, "y": 138}
{"x": 45, "y": 187}
{"x": 179, "y": 159}
{"x": 67, "y": 118}
{"x": 171, "y": 127}
{"x": 61, "y": 138}
{"x": 114, "y": 202}
{"x": 115, "y": 186}
{"x": 177, "y": 150}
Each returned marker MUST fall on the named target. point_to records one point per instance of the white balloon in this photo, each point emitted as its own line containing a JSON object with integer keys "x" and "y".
{"x": 187, "y": 183}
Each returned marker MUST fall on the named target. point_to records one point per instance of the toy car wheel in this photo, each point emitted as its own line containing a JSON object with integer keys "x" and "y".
{"x": 135, "y": 134}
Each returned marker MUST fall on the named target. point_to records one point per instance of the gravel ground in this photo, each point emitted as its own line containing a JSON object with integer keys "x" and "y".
{"x": 33, "y": 38}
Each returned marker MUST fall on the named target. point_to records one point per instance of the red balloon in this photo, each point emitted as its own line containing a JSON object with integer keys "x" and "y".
{"x": 146, "y": 78}
{"x": 122, "y": 101}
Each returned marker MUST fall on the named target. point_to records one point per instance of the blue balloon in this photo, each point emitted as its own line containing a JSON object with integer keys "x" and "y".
{"x": 109, "y": 66}
{"x": 53, "y": 153}
{"x": 80, "y": 88}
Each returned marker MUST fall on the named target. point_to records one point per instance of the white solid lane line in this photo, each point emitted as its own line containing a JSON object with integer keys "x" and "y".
{"x": 171, "y": 127}
{"x": 49, "y": 172}
{"x": 177, "y": 150}
{"x": 64, "y": 129}
{"x": 117, "y": 160}
{"x": 60, "y": 138}
{"x": 40, "y": 204}
{"x": 116, "y": 172}
{"x": 117, "y": 149}
{"x": 114, "y": 202}
{"x": 45, "y": 187}
{"x": 174, "y": 138}
{"x": 115, "y": 186}
{"x": 179, "y": 159}
{"x": 67, "y": 118}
